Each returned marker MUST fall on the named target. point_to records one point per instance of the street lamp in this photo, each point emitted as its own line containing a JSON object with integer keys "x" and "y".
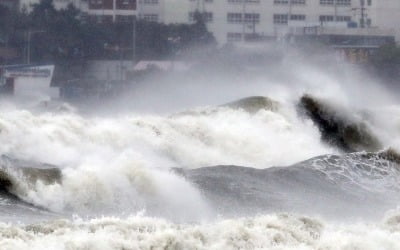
{"x": 30, "y": 33}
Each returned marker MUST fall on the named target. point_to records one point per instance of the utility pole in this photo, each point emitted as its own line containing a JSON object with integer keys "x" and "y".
{"x": 134, "y": 33}
{"x": 28, "y": 53}
{"x": 254, "y": 24}
{"x": 243, "y": 19}
{"x": 363, "y": 13}
{"x": 134, "y": 40}
{"x": 336, "y": 11}
{"x": 362, "y": 22}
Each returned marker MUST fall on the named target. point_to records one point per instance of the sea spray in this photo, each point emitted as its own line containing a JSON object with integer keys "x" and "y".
{"x": 274, "y": 231}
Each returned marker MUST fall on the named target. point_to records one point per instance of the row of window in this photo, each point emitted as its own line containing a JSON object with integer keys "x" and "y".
{"x": 337, "y": 2}
{"x": 284, "y": 18}
{"x": 280, "y": 18}
{"x": 122, "y": 18}
{"x": 322, "y": 2}
{"x": 291, "y": 1}
{"x": 109, "y": 4}
{"x": 95, "y": 3}
{"x": 328, "y": 18}
{"x": 246, "y": 1}
{"x": 277, "y": 18}
{"x": 206, "y": 16}
{"x": 206, "y": 1}
{"x": 233, "y": 18}
{"x": 240, "y": 18}
{"x": 152, "y": 2}
{"x": 251, "y": 18}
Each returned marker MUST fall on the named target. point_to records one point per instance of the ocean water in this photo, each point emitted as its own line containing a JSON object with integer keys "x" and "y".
{"x": 264, "y": 172}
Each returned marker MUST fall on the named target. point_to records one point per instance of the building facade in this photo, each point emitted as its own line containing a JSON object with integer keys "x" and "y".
{"x": 385, "y": 14}
{"x": 241, "y": 20}
{"x": 247, "y": 20}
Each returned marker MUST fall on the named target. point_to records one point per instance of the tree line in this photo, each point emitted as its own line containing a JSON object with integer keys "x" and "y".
{"x": 68, "y": 36}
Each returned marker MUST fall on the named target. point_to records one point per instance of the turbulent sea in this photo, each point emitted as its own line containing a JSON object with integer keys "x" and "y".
{"x": 271, "y": 172}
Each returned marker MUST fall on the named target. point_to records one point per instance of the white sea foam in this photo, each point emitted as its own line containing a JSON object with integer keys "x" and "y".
{"x": 125, "y": 160}
{"x": 123, "y": 163}
{"x": 275, "y": 231}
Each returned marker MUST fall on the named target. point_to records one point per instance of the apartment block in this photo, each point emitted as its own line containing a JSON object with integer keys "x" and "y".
{"x": 246, "y": 20}
{"x": 241, "y": 20}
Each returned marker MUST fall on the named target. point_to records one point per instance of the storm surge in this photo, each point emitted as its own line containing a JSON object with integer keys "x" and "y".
{"x": 102, "y": 166}
{"x": 289, "y": 170}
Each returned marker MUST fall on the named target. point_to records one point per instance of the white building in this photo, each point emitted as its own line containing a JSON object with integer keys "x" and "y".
{"x": 236, "y": 20}
{"x": 239, "y": 20}
{"x": 386, "y": 14}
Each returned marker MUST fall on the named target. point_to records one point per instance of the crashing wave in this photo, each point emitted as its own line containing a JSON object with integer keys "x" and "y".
{"x": 122, "y": 164}
{"x": 253, "y": 104}
{"x": 19, "y": 177}
{"x": 376, "y": 172}
{"x": 250, "y": 105}
{"x": 324, "y": 185}
{"x": 338, "y": 130}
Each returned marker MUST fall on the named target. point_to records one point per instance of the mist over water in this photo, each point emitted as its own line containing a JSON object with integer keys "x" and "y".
{"x": 145, "y": 170}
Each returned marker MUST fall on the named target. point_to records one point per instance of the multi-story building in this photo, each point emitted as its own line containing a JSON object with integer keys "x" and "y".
{"x": 96, "y": 10}
{"x": 112, "y": 10}
{"x": 385, "y": 14}
{"x": 238, "y": 20}
{"x": 241, "y": 20}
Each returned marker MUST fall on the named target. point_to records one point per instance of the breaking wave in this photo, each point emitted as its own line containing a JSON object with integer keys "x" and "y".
{"x": 123, "y": 164}
{"x": 161, "y": 164}
{"x": 275, "y": 231}
{"x": 325, "y": 184}
{"x": 221, "y": 135}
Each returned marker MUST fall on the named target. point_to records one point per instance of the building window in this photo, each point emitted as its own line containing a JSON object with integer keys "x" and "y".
{"x": 252, "y": 18}
{"x": 343, "y": 18}
{"x": 343, "y": 2}
{"x": 124, "y": 19}
{"x": 298, "y": 1}
{"x": 207, "y": 16}
{"x": 126, "y": 4}
{"x": 326, "y": 18}
{"x": 338, "y": 2}
{"x": 326, "y": 2}
{"x": 100, "y": 4}
{"x": 100, "y": 18}
{"x": 96, "y": 2}
{"x": 297, "y": 17}
{"x": 234, "y": 17}
{"x": 246, "y": 1}
{"x": 233, "y": 37}
{"x": 149, "y": 2}
{"x": 289, "y": 1}
{"x": 280, "y": 19}
{"x": 149, "y": 17}
{"x": 332, "y": 18}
